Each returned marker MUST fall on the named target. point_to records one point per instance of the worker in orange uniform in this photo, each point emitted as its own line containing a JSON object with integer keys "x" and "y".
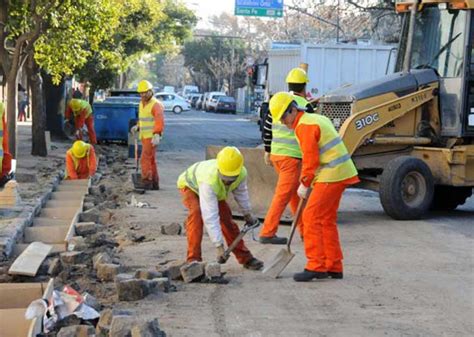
{"x": 283, "y": 153}
{"x": 81, "y": 111}
{"x": 328, "y": 169}
{"x": 5, "y": 156}
{"x": 81, "y": 162}
{"x": 205, "y": 187}
{"x": 150, "y": 126}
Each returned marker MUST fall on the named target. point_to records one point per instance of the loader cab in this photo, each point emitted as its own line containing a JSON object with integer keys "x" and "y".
{"x": 443, "y": 40}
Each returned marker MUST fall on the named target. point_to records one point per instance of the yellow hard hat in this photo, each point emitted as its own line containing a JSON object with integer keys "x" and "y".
{"x": 75, "y": 104}
{"x": 279, "y": 104}
{"x": 297, "y": 75}
{"x": 79, "y": 149}
{"x": 144, "y": 86}
{"x": 230, "y": 161}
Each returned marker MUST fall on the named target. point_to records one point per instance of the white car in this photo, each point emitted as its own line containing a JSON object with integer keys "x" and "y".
{"x": 173, "y": 102}
{"x": 211, "y": 101}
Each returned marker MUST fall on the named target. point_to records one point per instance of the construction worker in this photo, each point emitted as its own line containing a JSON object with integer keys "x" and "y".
{"x": 81, "y": 111}
{"x": 150, "y": 126}
{"x": 81, "y": 162}
{"x": 5, "y": 156}
{"x": 328, "y": 169}
{"x": 205, "y": 187}
{"x": 283, "y": 153}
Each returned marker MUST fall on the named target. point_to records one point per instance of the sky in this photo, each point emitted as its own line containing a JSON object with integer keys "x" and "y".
{"x": 206, "y": 8}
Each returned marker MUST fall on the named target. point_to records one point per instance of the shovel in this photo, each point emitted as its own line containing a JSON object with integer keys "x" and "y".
{"x": 245, "y": 229}
{"x": 284, "y": 256}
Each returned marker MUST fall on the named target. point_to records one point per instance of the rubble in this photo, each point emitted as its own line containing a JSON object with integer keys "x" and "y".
{"x": 77, "y": 243}
{"x": 213, "y": 269}
{"x": 105, "y": 320}
{"x": 107, "y": 271}
{"x": 171, "y": 229}
{"x": 91, "y": 215}
{"x": 70, "y": 258}
{"x": 91, "y": 301}
{"x": 132, "y": 289}
{"x": 148, "y": 274}
{"x": 77, "y": 331}
{"x": 172, "y": 269}
{"x": 54, "y": 266}
{"x": 100, "y": 258}
{"x": 86, "y": 228}
{"x": 147, "y": 329}
{"x": 161, "y": 283}
{"x": 192, "y": 271}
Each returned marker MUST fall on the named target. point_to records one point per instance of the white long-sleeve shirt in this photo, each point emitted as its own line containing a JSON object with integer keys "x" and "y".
{"x": 210, "y": 208}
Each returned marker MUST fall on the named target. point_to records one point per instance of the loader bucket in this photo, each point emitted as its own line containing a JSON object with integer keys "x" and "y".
{"x": 261, "y": 180}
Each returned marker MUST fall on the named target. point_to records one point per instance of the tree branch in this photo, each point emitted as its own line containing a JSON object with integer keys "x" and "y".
{"x": 305, "y": 12}
{"x": 370, "y": 8}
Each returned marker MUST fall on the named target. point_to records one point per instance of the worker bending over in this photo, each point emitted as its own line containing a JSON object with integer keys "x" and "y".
{"x": 283, "y": 153}
{"x": 5, "y": 156}
{"x": 81, "y": 111}
{"x": 81, "y": 161}
{"x": 150, "y": 126}
{"x": 205, "y": 187}
{"x": 328, "y": 169}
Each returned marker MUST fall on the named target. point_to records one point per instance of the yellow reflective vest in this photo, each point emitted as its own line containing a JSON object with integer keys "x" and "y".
{"x": 207, "y": 172}
{"x": 145, "y": 119}
{"x": 335, "y": 162}
{"x": 80, "y": 105}
{"x": 284, "y": 141}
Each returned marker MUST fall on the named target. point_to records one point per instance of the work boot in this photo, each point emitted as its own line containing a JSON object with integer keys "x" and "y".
{"x": 274, "y": 240}
{"x": 335, "y": 275}
{"x": 146, "y": 184}
{"x": 156, "y": 186}
{"x": 308, "y": 275}
{"x": 253, "y": 264}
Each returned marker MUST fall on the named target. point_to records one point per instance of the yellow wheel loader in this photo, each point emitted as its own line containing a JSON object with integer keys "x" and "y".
{"x": 411, "y": 134}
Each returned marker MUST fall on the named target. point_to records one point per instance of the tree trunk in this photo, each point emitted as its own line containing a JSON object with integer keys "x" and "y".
{"x": 11, "y": 111}
{"x": 55, "y": 102}
{"x": 92, "y": 91}
{"x": 38, "y": 109}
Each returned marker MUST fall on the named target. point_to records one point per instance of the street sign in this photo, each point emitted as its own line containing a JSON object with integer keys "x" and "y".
{"x": 269, "y": 8}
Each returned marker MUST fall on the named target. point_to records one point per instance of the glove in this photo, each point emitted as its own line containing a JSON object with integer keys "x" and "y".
{"x": 156, "y": 139}
{"x": 134, "y": 129}
{"x": 266, "y": 158}
{"x": 302, "y": 191}
{"x": 78, "y": 134}
{"x": 220, "y": 254}
{"x": 249, "y": 218}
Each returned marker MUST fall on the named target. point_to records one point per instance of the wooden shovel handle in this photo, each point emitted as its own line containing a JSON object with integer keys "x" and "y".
{"x": 297, "y": 217}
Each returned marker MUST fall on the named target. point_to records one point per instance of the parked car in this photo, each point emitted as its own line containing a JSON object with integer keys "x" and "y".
{"x": 194, "y": 100}
{"x": 200, "y": 102}
{"x": 173, "y": 102}
{"x": 226, "y": 104}
{"x": 211, "y": 101}
{"x": 169, "y": 89}
{"x": 190, "y": 89}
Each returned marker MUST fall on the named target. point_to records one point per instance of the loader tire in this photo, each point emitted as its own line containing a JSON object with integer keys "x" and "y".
{"x": 406, "y": 188}
{"x": 447, "y": 198}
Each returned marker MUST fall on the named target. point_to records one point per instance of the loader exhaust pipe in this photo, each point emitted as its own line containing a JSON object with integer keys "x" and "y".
{"x": 411, "y": 29}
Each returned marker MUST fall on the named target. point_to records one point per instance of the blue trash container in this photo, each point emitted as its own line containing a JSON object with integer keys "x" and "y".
{"x": 111, "y": 120}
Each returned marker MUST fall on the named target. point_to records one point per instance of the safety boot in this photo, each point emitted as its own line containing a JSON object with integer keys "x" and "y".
{"x": 274, "y": 240}
{"x": 335, "y": 275}
{"x": 308, "y": 275}
{"x": 253, "y": 264}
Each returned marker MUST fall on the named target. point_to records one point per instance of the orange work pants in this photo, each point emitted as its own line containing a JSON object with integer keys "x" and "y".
{"x": 288, "y": 170}
{"x": 148, "y": 161}
{"x": 195, "y": 225}
{"x": 79, "y": 122}
{"x": 321, "y": 238}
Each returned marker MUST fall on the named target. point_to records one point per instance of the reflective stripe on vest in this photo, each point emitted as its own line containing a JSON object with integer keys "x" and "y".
{"x": 206, "y": 172}
{"x": 2, "y": 110}
{"x": 284, "y": 141}
{"x": 146, "y": 119}
{"x": 335, "y": 162}
{"x": 84, "y": 105}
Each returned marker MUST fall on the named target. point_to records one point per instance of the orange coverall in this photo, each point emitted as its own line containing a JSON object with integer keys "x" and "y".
{"x": 80, "y": 120}
{"x": 86, "y": 167}
{"x": 321, "y": 237}
{"x": 195, "y": 225}
{"x": 7, "y": 157}
{"x": 148, "y": 158}
{"x": 288, "y": 170}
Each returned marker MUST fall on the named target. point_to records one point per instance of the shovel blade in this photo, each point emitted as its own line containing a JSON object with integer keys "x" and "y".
{"x": 278, "y": 263}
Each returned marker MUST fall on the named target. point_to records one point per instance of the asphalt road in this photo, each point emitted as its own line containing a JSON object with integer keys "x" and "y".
{"x": 401, "y": 278}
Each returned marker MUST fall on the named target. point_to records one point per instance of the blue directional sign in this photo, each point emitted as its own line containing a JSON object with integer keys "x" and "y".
{"x": 269, "y": 8}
